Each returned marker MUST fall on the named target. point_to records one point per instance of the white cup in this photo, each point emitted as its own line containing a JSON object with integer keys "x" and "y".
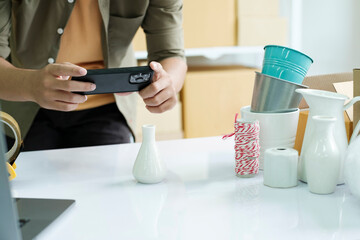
{"x": 276, "y": 129}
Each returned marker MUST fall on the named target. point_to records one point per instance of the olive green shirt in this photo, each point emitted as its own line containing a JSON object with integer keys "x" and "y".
{"x": 29, "y": 38}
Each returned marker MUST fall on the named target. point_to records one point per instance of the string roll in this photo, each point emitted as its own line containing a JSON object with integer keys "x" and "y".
{"x": 247, "y": 147}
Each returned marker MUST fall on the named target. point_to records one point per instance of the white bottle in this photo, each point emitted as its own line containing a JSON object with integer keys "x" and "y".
{"x": 322, "y": 157}
{"x": 148, "y": 167}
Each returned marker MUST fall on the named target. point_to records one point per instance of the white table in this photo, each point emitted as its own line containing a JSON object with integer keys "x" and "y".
{"x": 200, "y": 199}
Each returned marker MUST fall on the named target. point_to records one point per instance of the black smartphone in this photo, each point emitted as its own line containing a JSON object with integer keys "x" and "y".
{"x": 116, "y": 80}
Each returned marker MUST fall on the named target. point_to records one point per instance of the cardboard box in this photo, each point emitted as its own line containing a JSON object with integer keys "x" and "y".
{"x": 260, "y": 31}
{"x": 303, "y": 116}
{"x": 262, "y": 8}
{"x": 229, "y": 23}
{"x": 209, "y": 23}
{"x": 356, "y": 79}
{"x": 211, "y": 98}
{"x": 168, "y": 124}
{"x": 325, "y": 82}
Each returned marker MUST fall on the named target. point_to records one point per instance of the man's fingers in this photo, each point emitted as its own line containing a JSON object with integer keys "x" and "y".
{"x": 153, "y": 89}
{"x": 158, "y": 70}
{"x": 74, "y": 86}
{"x": 68, "y": 97}
{"x": 66, "y": 70}
{"x": 167, "y": 105}
{"x": 159, "y": 98}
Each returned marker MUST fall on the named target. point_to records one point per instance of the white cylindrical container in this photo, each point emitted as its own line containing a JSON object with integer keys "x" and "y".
{"x": 277, "y": 129}
{"x": 322, "y": 156}
{"x": 148, "y": 167}
{"x": 280, "y": 167}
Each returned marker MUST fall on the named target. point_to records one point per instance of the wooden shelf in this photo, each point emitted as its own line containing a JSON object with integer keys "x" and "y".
{"x": 249, "y": 56}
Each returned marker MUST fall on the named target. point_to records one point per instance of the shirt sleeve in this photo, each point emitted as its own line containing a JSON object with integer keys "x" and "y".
{"x": 5, "y": 26}
{"x": 163, "y": 29}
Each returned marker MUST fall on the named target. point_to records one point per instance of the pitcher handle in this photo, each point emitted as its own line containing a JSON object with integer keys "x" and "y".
{"x": 355, "y": 132}
{"x": 357, "y": 128}
{"x": 352, "y": 101}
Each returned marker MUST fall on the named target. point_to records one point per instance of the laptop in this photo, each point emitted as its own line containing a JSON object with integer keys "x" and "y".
{"x": 24, "y": 218}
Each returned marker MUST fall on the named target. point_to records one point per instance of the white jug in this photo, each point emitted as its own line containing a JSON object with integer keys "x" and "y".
{"x": 332, "y": 105}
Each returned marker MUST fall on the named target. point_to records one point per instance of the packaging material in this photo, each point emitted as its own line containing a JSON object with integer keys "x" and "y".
{"x": 302, "y": 126}
{"x": 168, "y": 124}
{"x": 260, "y": 31}
{"x": 268, "y": 8}
{"x": 356, "y": 109}
{"x": 211, "y": 98}
{"x": 325, "y": 82}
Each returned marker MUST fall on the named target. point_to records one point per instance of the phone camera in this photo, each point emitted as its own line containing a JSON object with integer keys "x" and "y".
{"x": 140, "y": 77}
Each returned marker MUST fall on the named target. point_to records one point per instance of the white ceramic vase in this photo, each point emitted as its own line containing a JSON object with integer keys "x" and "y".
{"x": 148, "y": 167}
{"x": 352, "y": 167}
{"x": 322, "y": 156}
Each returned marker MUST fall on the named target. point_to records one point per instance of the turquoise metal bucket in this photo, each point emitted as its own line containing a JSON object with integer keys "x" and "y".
{"x": 285, "y": 63}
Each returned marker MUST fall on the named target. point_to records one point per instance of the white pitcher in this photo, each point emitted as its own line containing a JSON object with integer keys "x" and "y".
{"x": 332, "y": 105}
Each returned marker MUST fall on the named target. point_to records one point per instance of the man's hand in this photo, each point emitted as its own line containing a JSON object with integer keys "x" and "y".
{"x": 51, "y": 89}
{"x": 49, "y": 86}
{"x": 161, "y": 94}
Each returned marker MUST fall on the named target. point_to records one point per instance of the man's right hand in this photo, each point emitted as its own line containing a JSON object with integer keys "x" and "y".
{"x": 51, "y": 89}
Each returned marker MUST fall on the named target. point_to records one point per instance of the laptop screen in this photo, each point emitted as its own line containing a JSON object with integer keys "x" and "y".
{"x": 8, "y": 215}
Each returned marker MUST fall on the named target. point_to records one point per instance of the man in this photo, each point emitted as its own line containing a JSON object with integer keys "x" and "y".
{"x": 43, "y": 42}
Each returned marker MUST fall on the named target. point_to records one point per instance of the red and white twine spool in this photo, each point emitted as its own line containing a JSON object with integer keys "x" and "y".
{"x": 247, "y": 148}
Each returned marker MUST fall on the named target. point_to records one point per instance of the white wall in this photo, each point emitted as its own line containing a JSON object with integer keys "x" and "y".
{"x": 331, "y": 35}
{"x": 326, "y": 30}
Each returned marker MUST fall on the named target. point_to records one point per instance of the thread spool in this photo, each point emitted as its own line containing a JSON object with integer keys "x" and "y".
{"x": 247, "y": 147}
